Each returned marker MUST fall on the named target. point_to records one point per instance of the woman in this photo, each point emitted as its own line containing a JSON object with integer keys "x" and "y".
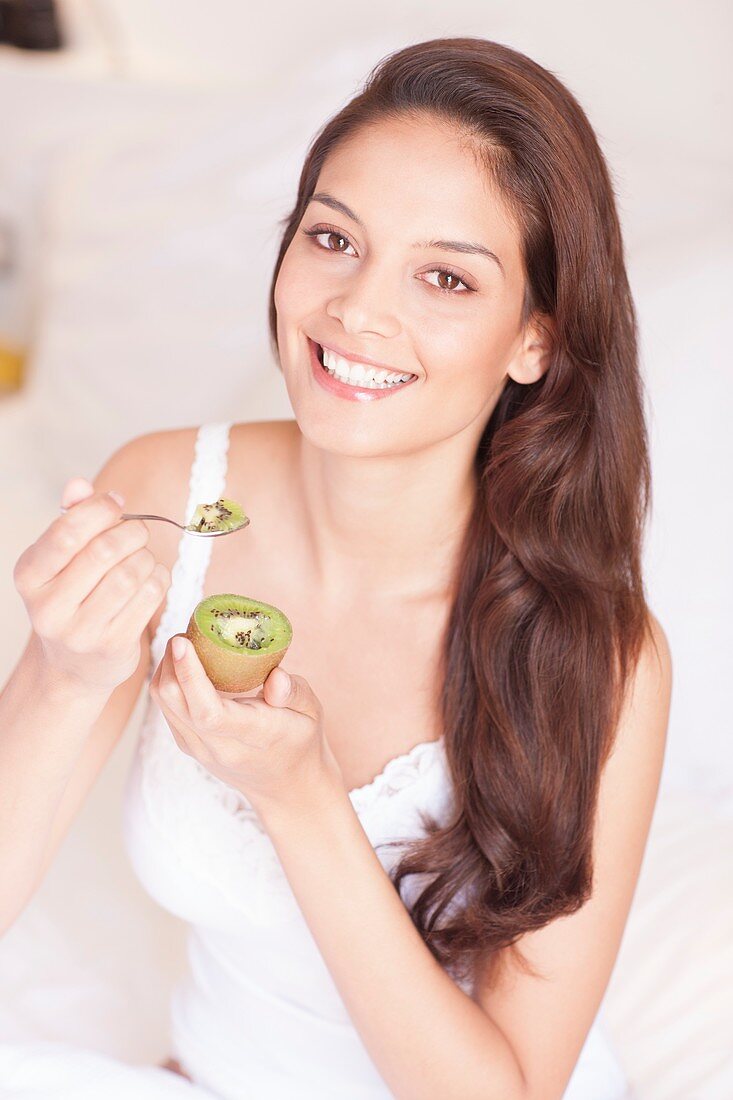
{"x": 407, "y": 866}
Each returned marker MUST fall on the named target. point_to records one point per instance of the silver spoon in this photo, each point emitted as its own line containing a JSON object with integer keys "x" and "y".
{"x": 182, "y": 527}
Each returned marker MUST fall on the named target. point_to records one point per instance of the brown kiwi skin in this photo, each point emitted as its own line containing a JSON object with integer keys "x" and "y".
{"x": 232, "y": 673}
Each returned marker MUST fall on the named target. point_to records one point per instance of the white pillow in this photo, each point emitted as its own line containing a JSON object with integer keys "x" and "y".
{"x": 669, "y": 1004}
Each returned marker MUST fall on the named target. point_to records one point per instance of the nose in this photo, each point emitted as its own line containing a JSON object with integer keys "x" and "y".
{"x": 366, "y": 302}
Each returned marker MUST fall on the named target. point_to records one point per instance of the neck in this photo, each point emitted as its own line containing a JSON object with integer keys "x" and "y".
{"x": 387, "y": 527}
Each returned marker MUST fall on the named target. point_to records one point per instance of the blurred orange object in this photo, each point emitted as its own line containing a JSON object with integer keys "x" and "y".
{"x": 12, "y": 362}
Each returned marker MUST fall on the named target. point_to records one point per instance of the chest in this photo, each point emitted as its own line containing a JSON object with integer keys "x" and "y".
{"x": 378, "y": 685}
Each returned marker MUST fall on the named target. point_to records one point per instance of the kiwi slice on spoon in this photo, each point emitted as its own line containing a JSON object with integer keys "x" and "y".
{"x": 239, "y": 640}
{"x": 222, "y": 515}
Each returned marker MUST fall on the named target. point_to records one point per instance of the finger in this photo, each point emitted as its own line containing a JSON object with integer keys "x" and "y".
{"x": 166, "y": 688}
{"x": 140, "y": 608}
{"x": 277, "y": 688}
{"x": 95, "y": 604}
{"x": 203, "y": 703}
{"x": 155, "y": 679}
{"x": 184, "y": 737}
{"x": 166, "y": 691}
{"x": 283, "y": 689}
{"x": 65, "y": 537}
{"x": 76, "y": 489}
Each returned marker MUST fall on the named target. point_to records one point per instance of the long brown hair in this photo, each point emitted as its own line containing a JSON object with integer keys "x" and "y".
{"x": 549, "y": 615}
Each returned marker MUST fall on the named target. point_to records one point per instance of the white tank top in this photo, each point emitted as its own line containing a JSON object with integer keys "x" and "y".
{"x": 257, "y": 1016}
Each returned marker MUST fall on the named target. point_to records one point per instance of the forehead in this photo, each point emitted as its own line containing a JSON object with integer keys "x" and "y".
{"x": 419, "y": 180}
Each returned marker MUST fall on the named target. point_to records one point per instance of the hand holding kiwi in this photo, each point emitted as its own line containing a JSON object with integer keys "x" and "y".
{"x": 271, "y": 748}
{"x": 90, "y": 586}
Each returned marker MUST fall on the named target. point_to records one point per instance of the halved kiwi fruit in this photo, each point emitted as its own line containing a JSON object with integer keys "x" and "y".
{"x": 239, "y": 640}
{"x": 222, "y": 515}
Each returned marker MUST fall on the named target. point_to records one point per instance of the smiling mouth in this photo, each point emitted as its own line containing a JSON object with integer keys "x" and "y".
{"x": 359, "y": 383}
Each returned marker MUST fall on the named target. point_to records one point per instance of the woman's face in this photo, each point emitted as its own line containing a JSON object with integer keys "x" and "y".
{"x": 371, "y": 285}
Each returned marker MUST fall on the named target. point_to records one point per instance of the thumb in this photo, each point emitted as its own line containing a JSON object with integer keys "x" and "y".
{"x": 78, "y": 488}
{"x": 294, "y": 692}
{"x": 277, "y": 687}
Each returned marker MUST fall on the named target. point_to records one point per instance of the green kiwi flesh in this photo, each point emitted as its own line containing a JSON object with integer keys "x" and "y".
{"x": 222, "y": 515}
{"x": 239, "y": 640}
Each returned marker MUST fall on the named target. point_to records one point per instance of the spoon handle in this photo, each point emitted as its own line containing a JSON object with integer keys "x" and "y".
{"x": 135, "y": 515}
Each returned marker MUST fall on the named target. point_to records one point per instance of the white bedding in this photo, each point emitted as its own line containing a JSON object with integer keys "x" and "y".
{"x": 92, "y": 959}
{"x": 60, "y": 1071}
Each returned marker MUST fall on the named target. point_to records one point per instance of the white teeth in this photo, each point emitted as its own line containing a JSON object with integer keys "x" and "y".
{"x": 358, "y": 374}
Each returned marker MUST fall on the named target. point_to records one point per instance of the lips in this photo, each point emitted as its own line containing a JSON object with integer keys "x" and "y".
{"x": 334, "y": 386}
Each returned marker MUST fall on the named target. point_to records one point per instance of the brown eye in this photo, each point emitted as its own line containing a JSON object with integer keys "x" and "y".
{"x": 338, "y": 237}
{"x": 446, "y": 274}
{"x": 326, "y": 231}
{"x": 449, "y": 275}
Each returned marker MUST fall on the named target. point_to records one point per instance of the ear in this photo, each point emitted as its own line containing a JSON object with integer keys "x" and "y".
{"x": 535, "y": 350}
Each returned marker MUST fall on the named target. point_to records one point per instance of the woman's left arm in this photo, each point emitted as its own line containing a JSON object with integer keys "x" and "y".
{"x": 427, "y": 1038}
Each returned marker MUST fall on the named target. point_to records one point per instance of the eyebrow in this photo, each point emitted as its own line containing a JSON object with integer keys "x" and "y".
{"x": 449, "y": 246}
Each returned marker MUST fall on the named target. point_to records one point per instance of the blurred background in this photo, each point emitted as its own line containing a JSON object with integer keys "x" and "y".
{"x": 148, "y": 150}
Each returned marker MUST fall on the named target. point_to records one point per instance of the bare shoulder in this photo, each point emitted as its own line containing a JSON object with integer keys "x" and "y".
{"x": 153, "y": 469}
{"x": 655, "y": 664}
{"x": 547, "y": 1019}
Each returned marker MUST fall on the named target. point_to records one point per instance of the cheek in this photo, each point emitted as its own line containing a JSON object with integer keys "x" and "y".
{"x": 295, "y": 287}
{"x": 460, "y": 353}
{"x": 465, "y": 367}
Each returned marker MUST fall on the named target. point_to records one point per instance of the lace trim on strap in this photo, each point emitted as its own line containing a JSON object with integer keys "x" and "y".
{"x": 206, "y": 484}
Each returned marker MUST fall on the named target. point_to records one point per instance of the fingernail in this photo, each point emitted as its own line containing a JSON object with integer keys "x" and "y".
{"x": 179, "y": 647}
{"x": 116, "y": 496}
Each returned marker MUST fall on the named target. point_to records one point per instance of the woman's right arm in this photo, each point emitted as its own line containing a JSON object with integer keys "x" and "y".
{"x": 91, "y": 586}
{"x": 52, "y": 737}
